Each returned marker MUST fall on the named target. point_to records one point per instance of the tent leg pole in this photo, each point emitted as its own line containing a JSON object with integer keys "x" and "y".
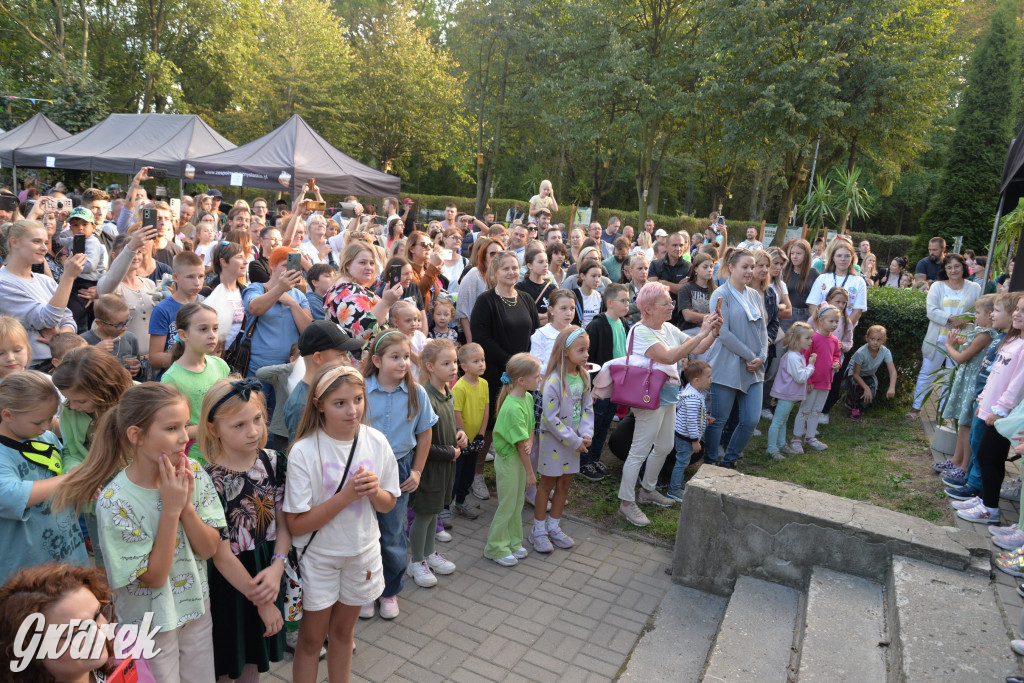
{"x": 181, "y": 188}
{"x": 992, "y": 243}
{"x": 92, "y": 180}
{"x": 14, "y": 178}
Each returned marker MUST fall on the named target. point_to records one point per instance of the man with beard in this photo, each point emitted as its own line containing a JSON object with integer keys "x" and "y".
{"x": 928, "y": 267}
{"x": 671, "y": 271}
{"x": 613, "y": 264}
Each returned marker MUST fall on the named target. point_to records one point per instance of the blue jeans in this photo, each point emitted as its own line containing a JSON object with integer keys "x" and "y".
{"x": 393, "y": 542}
{"x": 604, "y": 411}
{"x": 974, "y": 469}
{"x": 722, "y": 400}
{"x": 777, "y": 432}
{"x": 684, "y": 451}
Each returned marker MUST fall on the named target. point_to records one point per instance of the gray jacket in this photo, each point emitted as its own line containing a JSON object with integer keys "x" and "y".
{"x": 739, "y": 341}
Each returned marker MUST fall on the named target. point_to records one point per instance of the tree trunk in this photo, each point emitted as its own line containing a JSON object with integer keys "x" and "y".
{"x": 653, "y": 195}
{"x": 85, "y": 35}
{"x": 691, "y": 190}
{"x": 784, "y": 209}
{"x": 481, "y": 185}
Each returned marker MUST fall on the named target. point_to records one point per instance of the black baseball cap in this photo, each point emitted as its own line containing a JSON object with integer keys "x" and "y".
{"x": 321, "y": 335}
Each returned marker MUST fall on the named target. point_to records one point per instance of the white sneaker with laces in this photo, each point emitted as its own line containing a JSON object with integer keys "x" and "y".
{"x": 479, "y": 487}
{"x": 440, "y": 564}
{"x": 421, "y": 574}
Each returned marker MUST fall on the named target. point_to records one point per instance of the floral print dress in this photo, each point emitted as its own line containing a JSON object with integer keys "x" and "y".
{"x": 350, "y": 305}
{"x": 251, "y": 500}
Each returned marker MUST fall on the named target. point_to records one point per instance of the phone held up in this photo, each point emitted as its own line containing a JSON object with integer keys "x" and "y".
{"x": 312, "y": 205}
{"x": 294, "y": 261}
{"x": 395, "y": 275}
{"x": 78, "y": 244}
{"x": 149, "y": 218}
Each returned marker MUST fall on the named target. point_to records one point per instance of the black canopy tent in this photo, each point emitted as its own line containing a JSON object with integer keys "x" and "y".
{"x": 124, "y": 143}
{"x": 38, "y": 130}
{"x": 284, "y": 159}
{"x": 1011, "y": 189}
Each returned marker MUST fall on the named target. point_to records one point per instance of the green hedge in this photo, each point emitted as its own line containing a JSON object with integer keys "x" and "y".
{"x": 737, "y": 229}
{"x": 885, "y": 247}
{"x": 904, "y": 315}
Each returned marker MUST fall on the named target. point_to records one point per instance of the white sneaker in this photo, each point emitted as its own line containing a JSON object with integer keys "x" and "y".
{"x": 491, "y": 454}
{"x": 421, "y": 574}
{"x": 520, "y": 553}
{"x": 440, "y": 564}
{"x": 479, "y": 487}
{"x": 633, "y": 514}
{"x": 443, "y": 536}
{"x": 767, "y": 414}
{"x": 366, "y": 611}
{"x": 507, "y": 561}
{"x": 823, "y": 420}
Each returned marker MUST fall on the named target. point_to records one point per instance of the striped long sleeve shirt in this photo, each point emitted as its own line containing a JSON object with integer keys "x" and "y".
{"x": 691, "y": 414}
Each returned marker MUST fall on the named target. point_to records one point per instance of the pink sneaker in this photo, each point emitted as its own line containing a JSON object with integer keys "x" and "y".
{"x": 796, "y": 446}
{"x": 389, "y": 607}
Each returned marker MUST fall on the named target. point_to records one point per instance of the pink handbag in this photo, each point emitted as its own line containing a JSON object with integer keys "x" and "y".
{"x": 636, "y": 386}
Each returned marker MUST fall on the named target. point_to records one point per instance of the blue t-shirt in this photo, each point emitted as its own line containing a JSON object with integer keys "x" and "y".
{"x": 293, "y": 408}
{"x": 388, "y": 411}
{"x": 275, "y": 332}
{"x": 163, "y": 322}
{"x": 36, "y": 535}
{"x": 316, "y": 305}
{"x": 986, "y": 365}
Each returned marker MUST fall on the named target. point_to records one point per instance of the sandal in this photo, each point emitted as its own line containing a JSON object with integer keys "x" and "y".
{"x": 913, "y": 415}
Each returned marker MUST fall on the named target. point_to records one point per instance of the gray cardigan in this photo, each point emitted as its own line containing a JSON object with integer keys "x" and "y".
{"x": 738, "y": 342}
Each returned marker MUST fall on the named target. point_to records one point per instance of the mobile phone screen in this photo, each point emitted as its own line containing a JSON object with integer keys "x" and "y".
{"x": 396, "y": 274}
{"x": 78, "y": 244}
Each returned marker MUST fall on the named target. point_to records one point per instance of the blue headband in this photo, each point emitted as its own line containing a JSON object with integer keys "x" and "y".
{"x": 573, "y": 336}
{"x": 377, "y": 343}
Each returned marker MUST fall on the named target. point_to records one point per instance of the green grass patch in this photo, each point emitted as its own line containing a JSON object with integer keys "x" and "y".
{"x": 884, "y": 460}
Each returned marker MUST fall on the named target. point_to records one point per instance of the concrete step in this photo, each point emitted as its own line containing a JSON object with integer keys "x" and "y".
{"x": 946, "y": 625}
{"x": 755, "y": 641}
{"x": 675, "y": 648}
{"x": 844, "y": 629}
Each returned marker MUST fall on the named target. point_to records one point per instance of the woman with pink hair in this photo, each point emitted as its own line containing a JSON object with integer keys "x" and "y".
{"x": 655, "y": 338}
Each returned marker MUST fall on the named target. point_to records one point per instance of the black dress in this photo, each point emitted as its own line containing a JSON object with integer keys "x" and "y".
{"x": 502, "y": 331}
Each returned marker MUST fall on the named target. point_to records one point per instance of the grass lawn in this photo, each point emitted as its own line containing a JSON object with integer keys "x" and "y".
{"x": 883, "y": 459}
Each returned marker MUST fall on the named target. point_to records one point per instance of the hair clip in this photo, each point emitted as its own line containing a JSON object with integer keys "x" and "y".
{"x": 177, "y": 339}
{"x": 505, "y": 378}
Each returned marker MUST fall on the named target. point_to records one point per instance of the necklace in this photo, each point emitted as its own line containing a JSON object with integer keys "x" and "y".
{"x": 508, "y": 301}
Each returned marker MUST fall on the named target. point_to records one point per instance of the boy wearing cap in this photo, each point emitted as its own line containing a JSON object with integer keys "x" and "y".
{"x": 320, "y": 343}
{"x": 82, "y": 222}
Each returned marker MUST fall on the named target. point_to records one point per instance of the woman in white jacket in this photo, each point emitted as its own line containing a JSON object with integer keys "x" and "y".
{"x": 950, "y": 296}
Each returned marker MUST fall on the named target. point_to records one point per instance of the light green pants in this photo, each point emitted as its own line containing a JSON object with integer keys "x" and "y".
{"x": 506, "y": 532}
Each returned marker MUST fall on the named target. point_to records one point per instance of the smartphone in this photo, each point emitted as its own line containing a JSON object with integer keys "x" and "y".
{"x": 396, "y": 274}
{"x": 316, "y": 206}
{"x": 175, "y": 207}
{"x": 126, "y": 672}
{"x": 446, "y": 254}
{"x": 294, "y": 261}
{"x": 718, "y": 308}
{"x": 78, "y": 244}
{"x": 158, "y": 173}
{"x": 8, "y": 203}
{"x": 149, "y": 218}
{"x": 380, "y": 220}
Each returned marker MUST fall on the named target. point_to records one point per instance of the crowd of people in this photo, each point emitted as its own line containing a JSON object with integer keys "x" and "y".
{"x": 214, "y": 407}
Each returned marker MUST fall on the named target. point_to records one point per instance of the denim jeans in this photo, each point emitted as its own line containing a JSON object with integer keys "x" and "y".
{"x": 393, "y": 543}
{"x": 604, "y": 411}
{"x": 684, "y": 451}
{"x": 973, "y": 468}
{"x": 722, "y": 400}
{"x": 777, "y": 430}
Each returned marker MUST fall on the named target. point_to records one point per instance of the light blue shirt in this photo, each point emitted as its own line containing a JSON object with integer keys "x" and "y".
{"x": 388, "y": 411}
{"x": 35, "y": 535}
{"x": 276, "y": 330}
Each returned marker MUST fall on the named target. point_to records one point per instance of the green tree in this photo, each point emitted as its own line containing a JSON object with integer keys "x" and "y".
{"x": 965, "y": 200}
{"x": 405, "y": 99}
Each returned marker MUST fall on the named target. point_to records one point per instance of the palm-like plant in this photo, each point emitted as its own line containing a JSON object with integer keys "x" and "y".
{"x": 818, "y": 206}
{"x": 850, "y": 198}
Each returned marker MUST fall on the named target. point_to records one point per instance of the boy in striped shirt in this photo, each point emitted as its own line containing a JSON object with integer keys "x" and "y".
{"x": 691, "y": 421}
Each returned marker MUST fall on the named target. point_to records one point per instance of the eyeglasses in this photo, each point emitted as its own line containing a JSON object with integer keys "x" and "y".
{"x": 116, "y": 326}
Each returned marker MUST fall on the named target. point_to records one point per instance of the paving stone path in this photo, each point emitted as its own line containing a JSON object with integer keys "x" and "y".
{"x": 572, "y": 615}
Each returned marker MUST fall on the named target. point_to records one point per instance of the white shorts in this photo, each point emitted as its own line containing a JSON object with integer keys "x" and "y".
{"x": 351, "y": 580}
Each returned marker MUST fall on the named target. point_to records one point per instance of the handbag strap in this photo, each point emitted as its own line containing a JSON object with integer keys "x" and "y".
{"x": 544, "y": 289}
{"x": 341, "y": 484}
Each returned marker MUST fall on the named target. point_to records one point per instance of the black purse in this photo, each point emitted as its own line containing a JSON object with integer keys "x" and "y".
{"x": 237, "y": 355}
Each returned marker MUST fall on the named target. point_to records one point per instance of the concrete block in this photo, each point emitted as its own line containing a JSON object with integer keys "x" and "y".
{"x": 946, "y": 625}
{"x": 731, "y": 524}
{"x": 844, "y": 630}
{"x": 944, "y": 441}
{"x": 676, "y": 647}
{"x": 755, "y": 641}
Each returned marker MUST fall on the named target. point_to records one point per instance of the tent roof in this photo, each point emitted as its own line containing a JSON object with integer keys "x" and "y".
{"x": 285, "y": 158}
{"x": 37, "y": 130}
{"x": 124, "y": 143}
{"x": 1012, "y": 185}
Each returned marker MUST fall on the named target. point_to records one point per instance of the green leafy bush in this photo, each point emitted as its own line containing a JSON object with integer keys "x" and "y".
{"x": 886, "y": 247}
{"x": 904, "y": 315}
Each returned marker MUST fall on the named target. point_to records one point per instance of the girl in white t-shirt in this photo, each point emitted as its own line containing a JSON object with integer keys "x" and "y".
{"x": 341, "y": 566}
{"x": 588, "y": 293}
{"x": 839, "y": 272}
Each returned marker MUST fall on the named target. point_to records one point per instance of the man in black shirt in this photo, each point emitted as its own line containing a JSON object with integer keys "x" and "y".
{"x": 928, "y": 267}
{"x": 671, "y": 271}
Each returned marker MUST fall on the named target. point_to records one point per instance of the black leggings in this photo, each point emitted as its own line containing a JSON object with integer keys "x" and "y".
{"x": 992, "y": 452}
{"x": 837, "y": 384}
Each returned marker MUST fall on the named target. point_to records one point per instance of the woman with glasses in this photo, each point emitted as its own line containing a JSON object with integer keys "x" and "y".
{"x": 124, "y": 279}
{"x": 425, "y": 258}
{"x": 63, "y": 594}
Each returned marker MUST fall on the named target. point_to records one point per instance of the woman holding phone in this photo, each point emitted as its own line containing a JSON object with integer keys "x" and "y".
{"x": 351, "y": 302}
